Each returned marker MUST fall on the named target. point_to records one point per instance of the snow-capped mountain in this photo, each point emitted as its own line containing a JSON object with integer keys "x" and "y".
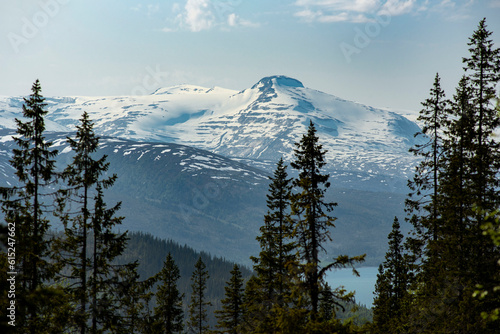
{"x": 170, "y": 151}
{"x": 258, "y": 124}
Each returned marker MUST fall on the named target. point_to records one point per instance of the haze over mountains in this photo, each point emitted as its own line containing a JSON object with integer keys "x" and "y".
{"x": 193, "y": 162}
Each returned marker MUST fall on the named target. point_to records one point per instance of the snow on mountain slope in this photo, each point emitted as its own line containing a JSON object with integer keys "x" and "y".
{"x": 258, "y": 124}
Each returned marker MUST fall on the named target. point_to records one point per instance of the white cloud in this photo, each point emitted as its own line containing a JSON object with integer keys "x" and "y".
{"x": 234, "y": 20}
{"x": 199, "y": 15}
{"x": 397, "y": 7}
{"x": 327, "y": 11}
{"x": 320, "y": 16}
{"x": 341, "y": 5}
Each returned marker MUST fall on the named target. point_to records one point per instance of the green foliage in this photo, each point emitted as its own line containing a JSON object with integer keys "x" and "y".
{"x": 82, "y": 177}
{"x": 169, "y": 315}
{"x": 276, "y": 256}
{"x": 24, "y": 207}
{"x": 450, "y": 255}
{"x": 229, "y": 318}
{"x": 492, "y": 293}
{"x": 198, "y": 317}
{"x": 311, "y": 229}
{"x": 287, "y": 293}
{"x": 391, "y": 289}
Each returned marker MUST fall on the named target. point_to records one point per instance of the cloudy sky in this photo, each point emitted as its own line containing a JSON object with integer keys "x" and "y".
{"x": 384, "y": 53}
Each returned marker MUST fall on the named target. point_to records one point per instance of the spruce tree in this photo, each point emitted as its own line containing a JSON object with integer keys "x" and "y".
{"x": 277, "y": 251}
{"x": 422, "y": 203}
{"x": 483, "y": 69}
{"x": 25, "y": 206}
{"x": 198, "y": 316}
{"x": 81, "y": 176}
{"x": 459, "y": 257}
{"x": 424, "y": 185}
{"x": 313, "y": 223}
{"x": 382, "y": 315}
{"x": 107, "y": 246}
{"x": 230, "y": 318}
{"x": 168, "y": 313}
{"x": 392, "y": 286}
{"x": 134, "y": 298}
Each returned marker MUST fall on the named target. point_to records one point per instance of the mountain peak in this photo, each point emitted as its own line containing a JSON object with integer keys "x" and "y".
{"x": 278, "y": 80}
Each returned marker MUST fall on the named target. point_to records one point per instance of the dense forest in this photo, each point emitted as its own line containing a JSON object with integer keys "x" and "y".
{"x": 92, "y": 278}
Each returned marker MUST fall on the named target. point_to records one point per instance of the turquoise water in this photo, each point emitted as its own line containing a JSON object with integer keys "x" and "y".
{"x": 363, "y": 285}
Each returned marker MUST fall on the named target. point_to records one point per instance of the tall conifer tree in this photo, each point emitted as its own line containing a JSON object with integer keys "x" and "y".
{"x": 230, "y": 318}
{"x": 276, "y": 251}
{"x": 107, "y": 246}
{"x": 198, "y": 316}
{"x": 392, "y": 286}
{"x": 483, "y": 69}
{"x": 460, "y": 256}
{"x": 424, "y": 185}
{"x": 81, "y": 176}
{"x": 168, "y": 312}
{"x": 25, "y": 206}
{"x": 313, "y": 223}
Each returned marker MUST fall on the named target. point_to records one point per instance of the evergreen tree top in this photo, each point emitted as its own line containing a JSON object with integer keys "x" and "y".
{"x": 309, "y": 159}
{"x": 484, "y": 60}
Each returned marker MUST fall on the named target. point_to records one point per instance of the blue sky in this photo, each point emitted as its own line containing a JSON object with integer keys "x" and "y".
{"x": 384, "y": 53}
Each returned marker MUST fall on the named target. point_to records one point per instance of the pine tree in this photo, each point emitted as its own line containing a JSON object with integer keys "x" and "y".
{"x": 382, "y": 315}
{"x": 312, "y": 227}
{"x": 168, "y": 313}
{"x": 25, "y": 207}
{"x": 134, "y": 299}
{"x": 424, "y": 185}
{"x": 107, "y": 246}
{"x": 484, "y": 68}
{"x": 276, "y": 234}
{"x": 460, "y": 256}
{"x": 276, "y": 253}
{"x": 81, "y": 176}
{"x": 229, "y": 319}
{"x": 392, "y": 285}
{"x": 198, "y": 316}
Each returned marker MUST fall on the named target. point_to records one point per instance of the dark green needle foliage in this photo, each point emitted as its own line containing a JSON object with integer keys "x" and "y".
{"x": 230, "y": 317}
{"x": 198, "y": 316}
{"x": 455, "y": 256}
{"x": 168, "y": 313}
{"x": 392, "y": 286}
{"x": 313, "y": 222}
{"x": 25, "y": 206}
{"x": 276, "y": 256}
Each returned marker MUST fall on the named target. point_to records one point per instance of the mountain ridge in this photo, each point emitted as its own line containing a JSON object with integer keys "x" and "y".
{"x": 258, "y": 124}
